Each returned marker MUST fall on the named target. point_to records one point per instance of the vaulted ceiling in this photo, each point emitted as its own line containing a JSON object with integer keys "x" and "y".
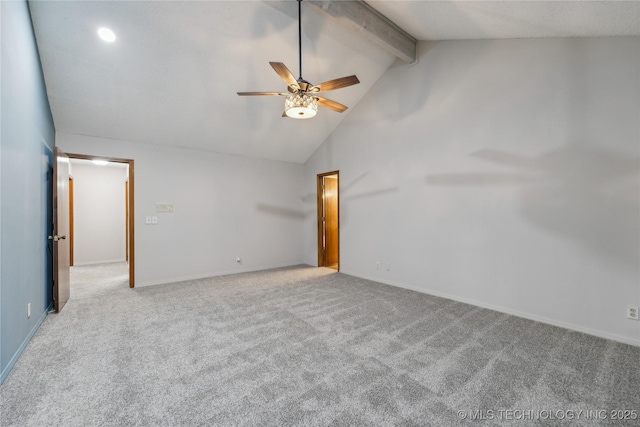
{"x": 172, "y": 74}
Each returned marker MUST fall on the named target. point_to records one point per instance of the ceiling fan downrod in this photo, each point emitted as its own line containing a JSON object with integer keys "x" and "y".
{"x": 300, "y": 79}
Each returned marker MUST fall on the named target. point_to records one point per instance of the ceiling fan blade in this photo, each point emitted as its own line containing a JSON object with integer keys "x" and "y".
{"x": 331, "y": 105}
{"x": 285, "y": 74}
{"x": 336, "y": 84}
{"x": 262, "y": 94}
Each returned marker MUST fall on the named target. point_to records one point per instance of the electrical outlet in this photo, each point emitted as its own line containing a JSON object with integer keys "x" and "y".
{"x": 377, "y": 265}
{"x": 28, "y": 310}
{"x": 632, "y": 312}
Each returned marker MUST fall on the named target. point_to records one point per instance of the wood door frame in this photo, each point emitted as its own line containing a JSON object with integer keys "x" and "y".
{"x": 126, "y": 216}
{"x": 319, "y": 179}
{"x": 131, "y": 218}
{"x": 71, "y": 220}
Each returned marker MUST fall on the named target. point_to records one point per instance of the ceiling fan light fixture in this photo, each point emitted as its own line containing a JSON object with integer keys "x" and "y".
{"x": 301, "y": 102}
{"x": 300, "y": 106}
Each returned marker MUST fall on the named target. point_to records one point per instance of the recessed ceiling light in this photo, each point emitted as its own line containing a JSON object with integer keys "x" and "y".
{"x": 107, "y": 35}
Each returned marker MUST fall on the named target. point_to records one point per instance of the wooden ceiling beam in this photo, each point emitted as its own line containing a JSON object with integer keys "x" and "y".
{"x": 373, "y": 25}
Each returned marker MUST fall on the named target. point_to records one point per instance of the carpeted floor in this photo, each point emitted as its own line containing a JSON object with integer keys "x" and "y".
{"x": 97, "y": 279}
{"x": 309, "y": 346}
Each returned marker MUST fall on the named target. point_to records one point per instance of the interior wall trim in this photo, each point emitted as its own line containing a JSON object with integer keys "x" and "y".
{"x": 220, "y": 273}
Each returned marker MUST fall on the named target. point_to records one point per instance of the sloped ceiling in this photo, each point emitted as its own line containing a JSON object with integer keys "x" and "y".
{"x": 172, "y": 75}
{"x": 459, "y": 20}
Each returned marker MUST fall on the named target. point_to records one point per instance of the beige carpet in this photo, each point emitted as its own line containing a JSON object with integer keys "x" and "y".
{"x": 309, "y": 346}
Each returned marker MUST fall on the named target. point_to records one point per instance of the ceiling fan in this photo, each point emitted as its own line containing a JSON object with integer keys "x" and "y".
{"x": 302, "y": 101}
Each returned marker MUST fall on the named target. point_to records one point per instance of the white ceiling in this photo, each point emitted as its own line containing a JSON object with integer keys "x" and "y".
{"x": 172, "y": 75}
{"x": 458, "y": 20}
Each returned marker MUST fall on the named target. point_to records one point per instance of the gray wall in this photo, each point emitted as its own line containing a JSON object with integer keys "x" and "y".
{"x": 99, "y": 231}
{"x": 25, "y": 158}
{"x": 500, "y": 173}
{"x": 224, "y": 206}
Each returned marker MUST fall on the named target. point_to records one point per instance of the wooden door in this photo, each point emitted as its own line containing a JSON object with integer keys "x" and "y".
{"x": 61, "y": 250}
{"x": 328, "y": 220}
{"x": 331, "y": 221}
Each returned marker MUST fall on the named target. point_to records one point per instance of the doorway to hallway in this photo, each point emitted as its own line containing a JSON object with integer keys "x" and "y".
{"x": 329, "y": 220}
{"x": 68, "y": 216}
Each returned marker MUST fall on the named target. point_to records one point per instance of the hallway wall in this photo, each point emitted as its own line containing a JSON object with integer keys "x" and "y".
{"x": 99, "y": 212}
{"x": 225, "y": 207}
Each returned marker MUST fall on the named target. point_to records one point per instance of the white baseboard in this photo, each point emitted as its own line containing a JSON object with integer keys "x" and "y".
{"x": 215, "y": 274}
{"x": 505, "y": 310}
{"x": 106, "y": 261}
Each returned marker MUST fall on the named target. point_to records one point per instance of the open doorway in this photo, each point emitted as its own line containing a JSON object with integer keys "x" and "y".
{"x": 329, "y": 220}
{"x": 101, "y": 228}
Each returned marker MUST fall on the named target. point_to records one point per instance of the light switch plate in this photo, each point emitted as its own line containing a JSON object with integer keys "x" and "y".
{"x": 164, "y": 207}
